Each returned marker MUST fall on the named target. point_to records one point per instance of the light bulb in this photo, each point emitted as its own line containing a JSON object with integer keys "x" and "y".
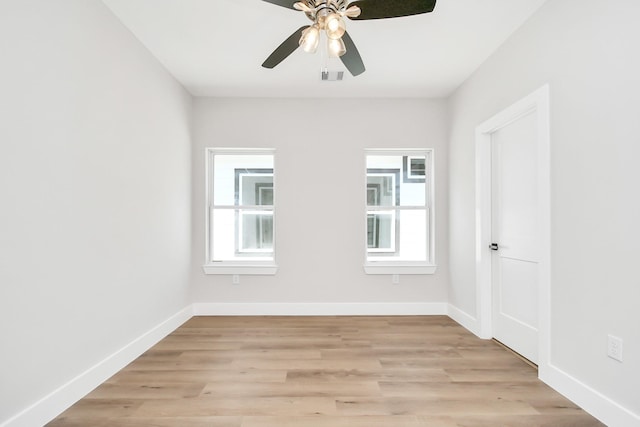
{"x": 352, "y": 12}
{"x": 334, "y": 26}
{"x": 310, "y": 39}
{"x": 336, "y": 48}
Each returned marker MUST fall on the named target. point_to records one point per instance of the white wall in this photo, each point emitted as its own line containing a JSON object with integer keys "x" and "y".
{"x": 588, "y": 52}
{"x": 320, "y": 197}
{"x": 94, "y": 193}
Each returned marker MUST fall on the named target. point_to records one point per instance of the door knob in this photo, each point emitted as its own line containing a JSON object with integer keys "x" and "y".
{"x": 493, "y": 246}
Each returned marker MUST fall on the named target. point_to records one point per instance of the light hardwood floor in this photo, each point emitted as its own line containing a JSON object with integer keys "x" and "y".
{"x": 409, "y": 371}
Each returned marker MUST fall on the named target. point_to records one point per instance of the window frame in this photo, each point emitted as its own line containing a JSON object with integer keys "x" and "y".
{"x": 239, "y": 267}
{"x": 427, "y": 266}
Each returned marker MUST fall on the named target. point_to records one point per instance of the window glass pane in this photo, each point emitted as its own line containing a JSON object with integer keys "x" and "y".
{"x": 382, "y": 188}
{"x": 256, "y": 231}
{"x": 381, "y": 231}
{"x": 251, "y": 239}
{"x": 383, "y": 180}
{"x": 400, "y": 235}
{"x": 223, "y": 245}
{"x": 396, "y": 180}
{"x": 412, "y": 194}
{"x": 254, "y": 187}
{"x": 414, "y": 180}
{"x": 413, "y": 235}
{"x": 384, "y": 162}
{"x": 416, "y": 167}
{"x": 237, "y": 177}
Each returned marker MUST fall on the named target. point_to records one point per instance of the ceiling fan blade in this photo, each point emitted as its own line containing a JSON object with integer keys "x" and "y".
{"x": 284, "y": 3}
{"x": 352, "y": 59}
{"x": 285, "y": 49}
{"x": 380, "y": 9}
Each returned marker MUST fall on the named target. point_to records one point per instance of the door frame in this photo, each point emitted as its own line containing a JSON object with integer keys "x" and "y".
{"x": 537, "y": 103}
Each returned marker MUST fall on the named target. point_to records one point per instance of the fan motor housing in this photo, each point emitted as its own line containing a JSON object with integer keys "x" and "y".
{"x": 324, "y": 7}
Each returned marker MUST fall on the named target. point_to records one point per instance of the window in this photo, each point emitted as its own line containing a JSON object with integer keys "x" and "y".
{"x": 240, "y": 212}
{"x": 399, "y": 212}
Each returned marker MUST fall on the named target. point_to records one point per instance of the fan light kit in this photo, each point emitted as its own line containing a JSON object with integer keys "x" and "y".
{"x": 328, "y": 16}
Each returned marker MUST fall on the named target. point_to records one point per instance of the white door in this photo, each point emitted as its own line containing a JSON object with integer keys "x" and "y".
{"x": 515, "y": 230}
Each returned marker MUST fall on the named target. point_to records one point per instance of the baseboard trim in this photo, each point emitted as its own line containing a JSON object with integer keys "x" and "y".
{"x": 592, "y": 401}
{"x": 50, "y": 406}
{"x": 464, "y": 319}
{"x": 319, "y": 309}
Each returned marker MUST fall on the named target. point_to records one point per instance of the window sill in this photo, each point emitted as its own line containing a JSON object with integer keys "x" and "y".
{"x": 245, "y": 269}
{"x": 399, "y": 268}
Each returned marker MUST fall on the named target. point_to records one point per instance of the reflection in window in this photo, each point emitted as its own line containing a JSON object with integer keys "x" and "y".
{"x": 381, "y": 232}
{"x": 254, "y": 187}
{"x": 382, "y": 190}
{"x": 241, "y": 206}
{"x": 414, "y": 168}
{"x": 398, "y": 195}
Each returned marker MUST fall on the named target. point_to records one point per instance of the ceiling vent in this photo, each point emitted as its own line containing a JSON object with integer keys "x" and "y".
{"x": 332, "y": 76}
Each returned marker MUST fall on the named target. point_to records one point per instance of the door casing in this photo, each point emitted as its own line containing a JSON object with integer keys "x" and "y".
{"x": 537, "y": 102}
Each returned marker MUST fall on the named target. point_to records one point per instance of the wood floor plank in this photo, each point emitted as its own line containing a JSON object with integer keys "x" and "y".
{"x": 459, "y": 363}
{"x": 534, "y": 393}
{"x": 321, "y": 364}
{"x": 495, "y": 374}
{"x": 363, "y": 371}
{"x": 422, "y": 406}
{"x": 279, "y": 354}
{"x": 154, "y": 390}
{"x": 162, "y": 365}
{"x": 198, "y": 376}
{"x": 350, "y": 421}
{"x": 102, "y": 408}
{"x": 389, "y": 353}
{"x": 187, "y": 344}
{"x": 292, "y": 388}
{"x": 575, "y": 420}
{"x": 430, "y": 375}
{"x": 221, "y": 421}
{"x": 277, "y": 406}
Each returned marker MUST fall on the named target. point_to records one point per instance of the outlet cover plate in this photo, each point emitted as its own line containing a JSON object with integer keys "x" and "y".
{"x": 614, "y": 348}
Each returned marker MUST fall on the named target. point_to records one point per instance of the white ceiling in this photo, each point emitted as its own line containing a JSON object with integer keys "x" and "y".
{"x": 216, "y": 47}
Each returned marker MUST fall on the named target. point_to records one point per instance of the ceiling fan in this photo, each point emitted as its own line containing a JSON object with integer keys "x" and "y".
{"x": 327, "y": 16}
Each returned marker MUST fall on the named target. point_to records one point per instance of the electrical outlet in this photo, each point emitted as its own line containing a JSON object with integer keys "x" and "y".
{"x": 614, "y": 348}
{"x": 235, "y": 279}
{"x": 395, "y": 279}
